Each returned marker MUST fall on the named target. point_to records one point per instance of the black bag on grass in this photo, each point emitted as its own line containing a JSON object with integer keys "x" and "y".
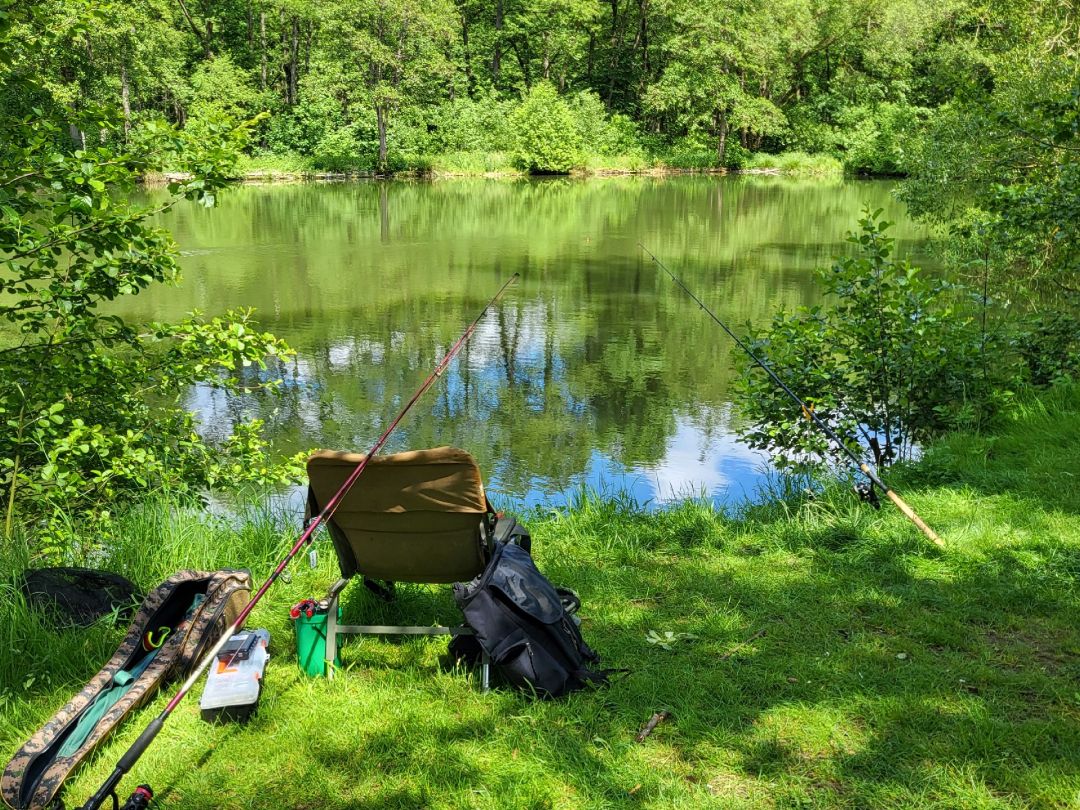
{"x": 522, "y": 623}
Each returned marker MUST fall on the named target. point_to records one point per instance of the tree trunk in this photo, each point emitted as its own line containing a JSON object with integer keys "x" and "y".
{"x": 307, "y": 48}
{"x": 522, "y": 54}
{"x": 469, "y": 81}
{"x": 641, "y": 41}
{"x": 613, "y": 68}
{"x": 195, "y": 29}
{"x": 496, "y": 55}
{"x": 125, "y": 100}
{"x": 721, "y": 120}
{"x": 262, "y": 45}
{"x": 380, "y": 118}
{"x": 294, "y": 59}
{"x": 589, "y": 57}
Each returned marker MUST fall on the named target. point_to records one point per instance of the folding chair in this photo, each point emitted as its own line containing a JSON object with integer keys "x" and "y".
{"x": 418, "y": 516}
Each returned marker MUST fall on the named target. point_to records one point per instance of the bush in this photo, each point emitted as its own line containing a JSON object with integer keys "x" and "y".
{"x": 894, "y": 360}
{"x": 1050, "y": 346}
{"x": 600, "y": 133}
{"x": 465, "y": 125}
{"x": 339, "y": 151}
{"x": 546, "y": 134}
{"x": 690, "y": 153}
{"x": 93, "y": 404}
{"x": 876, "y": 140}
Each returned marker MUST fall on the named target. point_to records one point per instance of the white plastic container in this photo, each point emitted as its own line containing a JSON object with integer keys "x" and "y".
{"x": 233, "y": 686}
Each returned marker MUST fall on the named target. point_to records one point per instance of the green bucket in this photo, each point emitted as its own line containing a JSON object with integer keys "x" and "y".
{"x": 311, "y": 643}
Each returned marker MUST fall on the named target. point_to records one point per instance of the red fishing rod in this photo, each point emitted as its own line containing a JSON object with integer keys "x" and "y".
{"x": 142, "y": 795}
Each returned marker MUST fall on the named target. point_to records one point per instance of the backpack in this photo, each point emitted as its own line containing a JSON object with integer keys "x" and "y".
{"x": 521, "y": 622}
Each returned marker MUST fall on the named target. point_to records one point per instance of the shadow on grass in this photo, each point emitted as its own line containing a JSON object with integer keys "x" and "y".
{"x": 866, "y": 675}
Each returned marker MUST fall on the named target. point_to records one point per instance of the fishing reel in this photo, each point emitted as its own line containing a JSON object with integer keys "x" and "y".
{"x": 866, "y": 492}
{"x": 139, "y": 799}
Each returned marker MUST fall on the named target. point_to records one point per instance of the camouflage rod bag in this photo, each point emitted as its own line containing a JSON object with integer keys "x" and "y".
{"x": 176, "y": 625}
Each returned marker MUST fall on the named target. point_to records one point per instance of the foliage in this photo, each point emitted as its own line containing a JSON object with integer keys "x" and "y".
{"x": 90, "y": 402}
{"x": 1050, "y": 346}
{"x": 1001, "y": 161}
{"x": 339, "y": 150}
{"x": 547, "y": 139}
{"x": 876, "y": 138}
{"x": 473, "y": 125}
{"x": 424, "y": 77}
{"x": 894, "y": 358}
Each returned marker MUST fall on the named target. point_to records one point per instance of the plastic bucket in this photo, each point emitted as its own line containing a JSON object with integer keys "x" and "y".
{"x": 311, "y": 643}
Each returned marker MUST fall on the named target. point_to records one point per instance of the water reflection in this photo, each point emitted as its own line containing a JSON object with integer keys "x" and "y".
{"x": 595, "y": 369}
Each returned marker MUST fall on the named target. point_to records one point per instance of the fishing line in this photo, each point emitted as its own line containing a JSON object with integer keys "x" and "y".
{"x": 807, "y": 410}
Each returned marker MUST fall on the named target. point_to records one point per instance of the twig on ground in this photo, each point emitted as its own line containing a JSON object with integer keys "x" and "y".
{"x": 741, "y": 644}
{"x": 654, "y": 721}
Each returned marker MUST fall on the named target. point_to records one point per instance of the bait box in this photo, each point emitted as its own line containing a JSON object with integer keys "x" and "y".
{"x": 232, "y": 688}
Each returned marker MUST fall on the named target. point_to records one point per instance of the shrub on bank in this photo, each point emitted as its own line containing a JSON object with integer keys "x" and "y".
{"x": 546, "y": 134}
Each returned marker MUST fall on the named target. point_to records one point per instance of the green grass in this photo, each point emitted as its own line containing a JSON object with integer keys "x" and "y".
{"x": 276, "y": 164}
{"x": 473, "y": 164}
{"x": 839, "y": 659}
{"x": 794, "y": 163}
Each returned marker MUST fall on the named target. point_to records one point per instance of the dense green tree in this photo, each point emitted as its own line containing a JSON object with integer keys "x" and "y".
{"x": 91, "y": 402}
{"x": 858, "y": 80}
{"x": 396, "y": 50}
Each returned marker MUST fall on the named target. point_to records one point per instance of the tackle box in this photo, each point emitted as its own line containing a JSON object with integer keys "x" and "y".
{"x": 235, "y": 678}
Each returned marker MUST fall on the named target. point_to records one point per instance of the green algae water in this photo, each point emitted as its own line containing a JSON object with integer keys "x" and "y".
{"x": 595, "y": 369}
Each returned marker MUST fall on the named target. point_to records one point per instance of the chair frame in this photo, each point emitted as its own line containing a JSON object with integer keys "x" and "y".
{"x": 333, "y": 628}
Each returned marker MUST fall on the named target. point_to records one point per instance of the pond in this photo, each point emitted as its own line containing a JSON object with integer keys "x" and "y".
{"x": 595, "y": 370}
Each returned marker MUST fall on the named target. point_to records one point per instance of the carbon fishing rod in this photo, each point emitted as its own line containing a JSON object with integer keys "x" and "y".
{"x": 142, "y": 795}
{"x": 808, "y": 411}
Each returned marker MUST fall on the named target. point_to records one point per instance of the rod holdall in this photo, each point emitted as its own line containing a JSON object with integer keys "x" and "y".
{"x": 175, "y": 626}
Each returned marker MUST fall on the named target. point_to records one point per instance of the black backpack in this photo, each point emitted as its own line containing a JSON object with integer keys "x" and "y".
{"x": 521, "y": 622}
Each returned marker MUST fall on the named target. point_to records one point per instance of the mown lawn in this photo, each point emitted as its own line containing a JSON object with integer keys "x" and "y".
{"x": 837, "y": 659}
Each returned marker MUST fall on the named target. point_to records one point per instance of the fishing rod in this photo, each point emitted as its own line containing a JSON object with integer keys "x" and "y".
{"x": 142, "y": 795}
{"x": 808, "y": 412}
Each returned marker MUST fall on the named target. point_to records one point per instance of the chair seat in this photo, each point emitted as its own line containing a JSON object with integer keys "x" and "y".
{"x": 411, "y": 517}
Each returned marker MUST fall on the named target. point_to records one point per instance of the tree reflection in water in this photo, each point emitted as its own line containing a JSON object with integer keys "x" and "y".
{"x": 594, "y": 370}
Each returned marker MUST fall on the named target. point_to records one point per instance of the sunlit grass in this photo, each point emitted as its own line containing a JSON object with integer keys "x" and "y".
{"x": 795, "y": 163}
{"x": 837, "y": 659}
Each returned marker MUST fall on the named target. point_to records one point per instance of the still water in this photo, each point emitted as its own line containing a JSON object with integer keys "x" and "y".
{"x": 595, "y": 370}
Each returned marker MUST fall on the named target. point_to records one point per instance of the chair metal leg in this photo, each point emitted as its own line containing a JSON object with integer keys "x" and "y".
{"x": 331, "y": 634}
{"x": 485, "y": 672}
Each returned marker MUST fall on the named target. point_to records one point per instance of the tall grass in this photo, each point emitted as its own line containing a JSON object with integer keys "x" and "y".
{"x": 473, "y": 164}
{"x": 795, "y": 163}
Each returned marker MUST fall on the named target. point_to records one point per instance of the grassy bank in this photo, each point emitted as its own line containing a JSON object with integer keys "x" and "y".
{"x": 500, "y": 164}
{"x": 834, "y": 658}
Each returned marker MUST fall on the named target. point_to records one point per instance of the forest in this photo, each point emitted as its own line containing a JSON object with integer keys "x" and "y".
{"x": 549, "y": 85}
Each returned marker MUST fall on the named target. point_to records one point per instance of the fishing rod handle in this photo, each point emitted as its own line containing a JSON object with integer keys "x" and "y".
{"x": 127, "y": 761}
{"x": 909, "y": 513}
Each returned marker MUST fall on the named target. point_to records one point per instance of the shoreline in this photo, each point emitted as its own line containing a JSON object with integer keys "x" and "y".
{"x": 275, "y": 177}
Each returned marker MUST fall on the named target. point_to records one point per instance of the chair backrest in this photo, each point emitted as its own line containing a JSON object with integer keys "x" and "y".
{"x": 411, "y": 517}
